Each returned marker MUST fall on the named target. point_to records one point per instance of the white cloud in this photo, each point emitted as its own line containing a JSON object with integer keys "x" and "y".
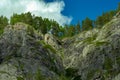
{"x": 51, "y": 10}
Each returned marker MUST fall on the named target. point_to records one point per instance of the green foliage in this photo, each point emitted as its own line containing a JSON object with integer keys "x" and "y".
{"x": 50, "y": 48}
{"x": 118, "y": 60}
{"x": 90, "y": 40}
{"x": 1, "y": 31}
{"x": 63, "y": 77}
{"x": 104, "y": 18}
{"x": 41, "y": 42}
{"x": 4, "y": 72}
{"x": 3, "y": 23}
{"x": 99, "y": 21}
{"x": 20, "y": 78}
{"x": 71, "y": 72}
{"x": 87, "y": 24}
{"x": 90, "y": 74}
{"x": 71, "y": 31}
{"x": 78, "y": 29}
{"x": 24, "y": 17}
{"x": 118, "y": 8}
{"x": 39, "y": 76}
{"x": 77, "y": 78}
{"x": 40, "y": 24}
{"x": 45, "y": 25}
{"x": 7, "y": 58}
{"x": 30, "y": 30}
{"x": 108, "y": 64}
{"x": 98, "y": 43}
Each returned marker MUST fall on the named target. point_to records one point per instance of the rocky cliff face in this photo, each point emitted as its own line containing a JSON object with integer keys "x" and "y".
{"x": 95, "y": 53}
{"x": 25, "y": 56}
{"x": 53, "y": 41}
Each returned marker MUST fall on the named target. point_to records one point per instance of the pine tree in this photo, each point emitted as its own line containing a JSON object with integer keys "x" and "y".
{"x": 118, "y": 8}
{"x": 3, "y": 23}
{"x": 71, "y": 31}
{"x": 87, "y": 24}
{"x": 78, "y": 29}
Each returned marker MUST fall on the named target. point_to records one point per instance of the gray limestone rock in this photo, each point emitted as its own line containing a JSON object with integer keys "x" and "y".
{"x": 25, "y": 55}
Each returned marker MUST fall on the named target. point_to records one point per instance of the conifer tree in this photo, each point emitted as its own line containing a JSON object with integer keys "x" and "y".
{"x": 87, "y": 24}
{"x": 78, "y": 29}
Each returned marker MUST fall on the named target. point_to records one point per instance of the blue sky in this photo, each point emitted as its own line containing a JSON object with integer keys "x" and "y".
{"x": 80, "y": 9}
{"x": 62, "y": 11}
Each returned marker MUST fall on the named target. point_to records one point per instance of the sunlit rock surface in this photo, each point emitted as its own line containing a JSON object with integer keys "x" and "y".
{"x": 95, "y": 53}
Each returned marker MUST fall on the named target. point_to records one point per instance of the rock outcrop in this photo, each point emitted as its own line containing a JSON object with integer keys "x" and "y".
{"x": 25, "y": 56}
{"x": 53, "y": 41}
{"x": 117, "y": 15}
{"x": 95, "y": 53}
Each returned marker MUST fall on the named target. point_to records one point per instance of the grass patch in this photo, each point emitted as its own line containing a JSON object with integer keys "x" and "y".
{"x": 107, "y": 64}
{"x": 98, "y": 43}
{"x": 20, "y": 78}
{"x": 1, "y": 32}
{"x": 50, "y": 48}
{"x": 90, "y": 40}
{"x": 39, "y": 76}
{"x": 3, "y": 72}
{"x": 41, "y": 42}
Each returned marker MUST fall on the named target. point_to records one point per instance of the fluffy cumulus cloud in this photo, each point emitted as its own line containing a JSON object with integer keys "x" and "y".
{"x": 51, "y": 10}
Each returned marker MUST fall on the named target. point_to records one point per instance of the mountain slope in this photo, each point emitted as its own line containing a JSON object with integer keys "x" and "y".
{"x": 25, "y": 56}
{"x": 95, "y": 53}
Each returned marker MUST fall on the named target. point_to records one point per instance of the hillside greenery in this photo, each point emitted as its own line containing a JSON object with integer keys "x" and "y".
{"x": 45, "y": 25}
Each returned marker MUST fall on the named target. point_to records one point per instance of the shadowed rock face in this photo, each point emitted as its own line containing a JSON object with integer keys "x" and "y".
{"x": 24, "y": 55}
{"x": 95, "y": 53}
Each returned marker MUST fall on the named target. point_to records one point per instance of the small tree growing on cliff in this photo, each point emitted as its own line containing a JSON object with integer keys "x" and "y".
{"x": 87, "y": 24}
